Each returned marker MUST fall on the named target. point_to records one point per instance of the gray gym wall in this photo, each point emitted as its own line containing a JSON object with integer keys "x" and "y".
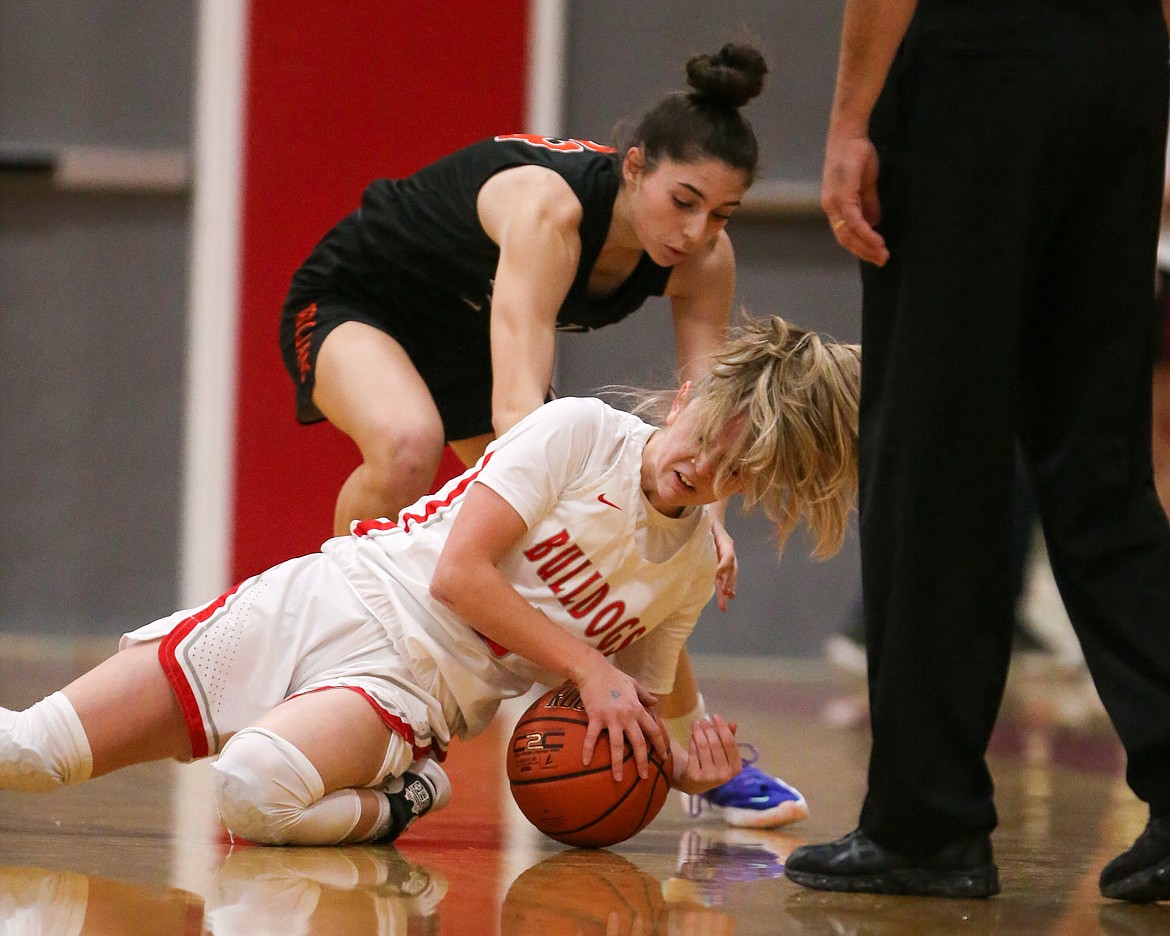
{"x": 92, "y": 305}
{"x": 92, "y": 298}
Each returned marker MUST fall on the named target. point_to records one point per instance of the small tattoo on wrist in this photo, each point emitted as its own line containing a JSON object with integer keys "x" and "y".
{"x": 614, "y": 694}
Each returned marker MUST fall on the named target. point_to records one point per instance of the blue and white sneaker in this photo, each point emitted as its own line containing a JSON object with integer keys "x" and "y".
{"x": 750, "y": 800}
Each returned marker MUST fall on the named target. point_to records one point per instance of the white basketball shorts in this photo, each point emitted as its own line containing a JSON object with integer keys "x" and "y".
{"x": 294, "y": 629}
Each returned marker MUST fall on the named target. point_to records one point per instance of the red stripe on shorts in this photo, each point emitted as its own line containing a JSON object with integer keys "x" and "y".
{"x": 305, "y": 324}
{"x": 177, "y": 678}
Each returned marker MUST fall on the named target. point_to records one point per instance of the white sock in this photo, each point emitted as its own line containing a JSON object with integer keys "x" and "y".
{"x": 680, "y": 726}
{"x": 382, "y": 825}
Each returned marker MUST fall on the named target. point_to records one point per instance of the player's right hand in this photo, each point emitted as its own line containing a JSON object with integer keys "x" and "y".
{"x": 617, "y": 705}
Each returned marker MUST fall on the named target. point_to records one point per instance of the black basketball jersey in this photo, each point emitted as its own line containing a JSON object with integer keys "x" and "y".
{"x": 422, "y": 234}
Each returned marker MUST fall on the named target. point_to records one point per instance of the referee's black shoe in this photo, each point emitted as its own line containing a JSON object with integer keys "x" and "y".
{"x": 856, "y": 863}
{"x": 1141, "y": 874}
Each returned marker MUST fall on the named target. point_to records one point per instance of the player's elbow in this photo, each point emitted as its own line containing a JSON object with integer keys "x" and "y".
{"x": 447, "y": 585}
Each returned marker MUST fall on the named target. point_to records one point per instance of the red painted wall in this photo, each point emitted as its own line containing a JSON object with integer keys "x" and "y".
{"x": 339, "y": 94}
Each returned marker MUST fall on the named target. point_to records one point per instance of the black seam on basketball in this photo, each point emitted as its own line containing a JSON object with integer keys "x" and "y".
{"x": 633, "y": 786}
{"x": 596, "y": 819}
{"x": 660, "y": 774}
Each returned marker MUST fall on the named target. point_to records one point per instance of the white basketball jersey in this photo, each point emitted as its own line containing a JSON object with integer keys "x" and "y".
{"x": 596, "y": 559}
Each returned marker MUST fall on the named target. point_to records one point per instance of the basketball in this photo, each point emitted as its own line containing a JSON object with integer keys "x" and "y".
{"x": 579, "y": 805}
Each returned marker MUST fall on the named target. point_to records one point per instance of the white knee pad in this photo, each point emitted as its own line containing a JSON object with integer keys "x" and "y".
{"x": 44, "y": 747}
{"x": 267, "y": 791}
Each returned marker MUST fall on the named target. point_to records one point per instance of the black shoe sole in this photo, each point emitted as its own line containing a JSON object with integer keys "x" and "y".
{"x": 1146, "y": 886}
{"x": 909, "y": 882}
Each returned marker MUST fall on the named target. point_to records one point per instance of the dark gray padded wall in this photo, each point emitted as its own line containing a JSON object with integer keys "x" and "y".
{"x": 92, "y": 306}
{"x": 621, "y": 58}
{"x": 79, "y": 71}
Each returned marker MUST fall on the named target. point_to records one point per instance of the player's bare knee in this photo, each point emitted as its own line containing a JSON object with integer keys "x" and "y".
{"x": 402, "y": 464}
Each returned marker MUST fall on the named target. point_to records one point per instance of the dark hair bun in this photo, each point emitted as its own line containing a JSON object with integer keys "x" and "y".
{"x": 732, "y": 76}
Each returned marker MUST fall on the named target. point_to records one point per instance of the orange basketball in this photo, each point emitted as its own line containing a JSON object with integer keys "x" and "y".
{"x": 580, "y": 805}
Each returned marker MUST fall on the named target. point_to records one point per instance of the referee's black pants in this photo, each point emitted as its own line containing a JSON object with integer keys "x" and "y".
{"x": 1021, "y": 180}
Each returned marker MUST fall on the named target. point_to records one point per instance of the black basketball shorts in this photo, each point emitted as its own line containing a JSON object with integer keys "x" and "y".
{"x": 454, "y": 363}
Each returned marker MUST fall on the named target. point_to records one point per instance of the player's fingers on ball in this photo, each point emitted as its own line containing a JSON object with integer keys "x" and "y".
{"x": 654, "y": 733}
{"x": 617, "y": 745}
{"x": 591, "y": 735}
{"x": 641, "y": 750}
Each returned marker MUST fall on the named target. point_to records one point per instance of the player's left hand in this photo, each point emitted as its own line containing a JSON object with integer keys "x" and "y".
{"x": 712, "y": 756}
{"x": 727, "y": 571}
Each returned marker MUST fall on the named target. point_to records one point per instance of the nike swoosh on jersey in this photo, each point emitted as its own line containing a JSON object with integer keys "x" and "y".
{"x": 608, "y": 503}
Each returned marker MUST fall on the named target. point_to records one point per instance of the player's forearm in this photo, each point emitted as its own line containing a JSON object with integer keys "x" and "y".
{"x": 484, "y": 599}
{"x": 518, "y": 385}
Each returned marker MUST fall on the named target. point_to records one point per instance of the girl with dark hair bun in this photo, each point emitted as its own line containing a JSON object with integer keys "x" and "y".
{"x": 429, "y": 315}
{"x": 705, "y": 123}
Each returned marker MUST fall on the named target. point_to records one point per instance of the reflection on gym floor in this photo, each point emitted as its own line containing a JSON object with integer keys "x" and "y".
{"x": 140, "y": 851}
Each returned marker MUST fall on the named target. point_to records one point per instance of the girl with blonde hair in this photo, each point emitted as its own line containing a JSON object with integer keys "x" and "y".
{"x": 578, "y": 548}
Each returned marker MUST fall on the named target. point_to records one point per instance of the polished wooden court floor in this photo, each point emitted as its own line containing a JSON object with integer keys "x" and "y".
{"x": 141, "y": 852}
